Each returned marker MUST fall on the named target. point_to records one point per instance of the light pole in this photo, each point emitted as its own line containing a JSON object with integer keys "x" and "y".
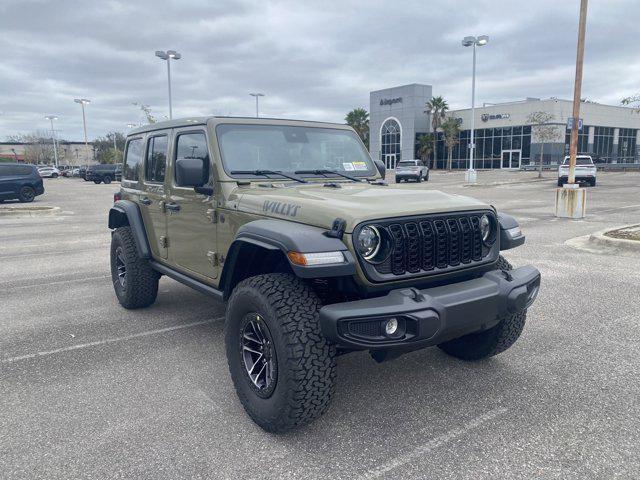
{"x": 51, "y": 118}
{"x": 83, "y": 102}
{"x": 168, "y": 55}
{"x": 257, "y": 95}
{"x": 479, "y": 41}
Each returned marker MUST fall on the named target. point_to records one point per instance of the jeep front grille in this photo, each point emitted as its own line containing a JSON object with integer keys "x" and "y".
{"x": 422, "y": 245}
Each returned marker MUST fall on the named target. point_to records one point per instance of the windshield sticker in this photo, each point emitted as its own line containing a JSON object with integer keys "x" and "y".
{"x": 288, "y": 209}
{"x": 348, "y": 167}
{"x": 360, "y": 165}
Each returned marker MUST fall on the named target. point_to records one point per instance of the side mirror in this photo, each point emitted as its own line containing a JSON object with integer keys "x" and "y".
{"x": 381, "y": 168}
{"x": 191, "y": 172}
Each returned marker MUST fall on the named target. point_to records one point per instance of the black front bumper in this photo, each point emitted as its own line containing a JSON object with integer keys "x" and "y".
{"x": 431, "y": 316}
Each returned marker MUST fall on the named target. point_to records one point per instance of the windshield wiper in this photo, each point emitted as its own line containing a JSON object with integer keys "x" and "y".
{"x": 326, "y": 172}
{"x": 265, "y": 173}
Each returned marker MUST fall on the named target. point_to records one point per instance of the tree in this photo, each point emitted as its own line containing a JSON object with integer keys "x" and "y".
{"x": 146, "y": 109}
{"x": 437, "y": 108}
{"x": 105, "y": 151}
{"x": 451, "y": 130}
{"x": 358, "y": 119}
{"x": 543, "y": 131}
{"x": 632, "y": 101}
{"x": 425, "y": 145}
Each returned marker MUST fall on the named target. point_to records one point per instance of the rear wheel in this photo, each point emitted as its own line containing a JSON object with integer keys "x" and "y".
{"x": 282, "y": 367}
{"x": 97, "y": 181}
{"x": 493, "y": 341}
{"x": 107, "y": 179}
{"x": 593, "y": 182}
{"x": 419, "y": 180}
{"x": 134, "y": 281}
{"x": 26, "y": 194}
{"x": 54, "y": 175}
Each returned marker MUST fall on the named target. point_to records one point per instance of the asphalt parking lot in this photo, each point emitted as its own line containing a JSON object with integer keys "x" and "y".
{"x": 90, "y": 390}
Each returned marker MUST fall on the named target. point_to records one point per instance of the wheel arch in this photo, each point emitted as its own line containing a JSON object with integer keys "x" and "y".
{"x": 125, "y": 213}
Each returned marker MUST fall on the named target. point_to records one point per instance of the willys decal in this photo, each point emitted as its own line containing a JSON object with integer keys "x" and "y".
{"x": 288, "y": 209}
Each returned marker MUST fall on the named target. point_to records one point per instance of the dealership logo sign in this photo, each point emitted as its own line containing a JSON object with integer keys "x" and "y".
{"x": 485, "y": 117}
{"x": 390, "y": 101}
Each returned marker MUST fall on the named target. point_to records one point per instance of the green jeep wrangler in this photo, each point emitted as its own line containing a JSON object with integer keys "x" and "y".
{"x": 293, "y": 225}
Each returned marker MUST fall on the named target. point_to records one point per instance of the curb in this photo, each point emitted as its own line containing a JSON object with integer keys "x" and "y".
{"x": 38, "y": 211}
{"x": 600, "y": 238}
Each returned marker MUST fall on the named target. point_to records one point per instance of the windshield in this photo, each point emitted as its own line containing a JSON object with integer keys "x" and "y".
{"x": 289, "y": 149}
{"x": 579, "y": 161}
{"x": 408, "y": 163}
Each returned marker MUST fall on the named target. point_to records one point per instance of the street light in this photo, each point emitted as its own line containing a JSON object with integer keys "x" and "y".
{"x": 168, "y": 55}
{"x": 83, "y": 102}
{"x": 257, "y": 95}
{"x": 471, "y": 41}
{"x": 131, "y": 125}
{"x": 51, "y": 118}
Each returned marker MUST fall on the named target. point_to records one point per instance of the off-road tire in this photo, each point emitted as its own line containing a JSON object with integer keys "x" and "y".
{"x": 26, "y": 194}
{"x": 306, "y": 366}
{"x": 141, "y": 284}
{"x": 493, "y": 341}
{"x": 107, "y": 179}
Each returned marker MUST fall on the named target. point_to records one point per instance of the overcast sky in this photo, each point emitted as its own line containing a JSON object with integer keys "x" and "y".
{"x": 312, "y": 59}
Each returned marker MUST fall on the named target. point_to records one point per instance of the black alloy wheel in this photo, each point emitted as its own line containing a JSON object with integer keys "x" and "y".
{"x": 121, "y": 267}
{"x": 258, "y": 355}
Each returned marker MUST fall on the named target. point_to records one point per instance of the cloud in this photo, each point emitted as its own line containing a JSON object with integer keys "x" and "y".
{"x": 314, "y": 60}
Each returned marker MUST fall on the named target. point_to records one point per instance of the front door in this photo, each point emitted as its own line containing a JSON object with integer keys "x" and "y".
{"x": 390, "y": 162}
{"x": 191, "y": 216}
{"x": 511, "y": 159}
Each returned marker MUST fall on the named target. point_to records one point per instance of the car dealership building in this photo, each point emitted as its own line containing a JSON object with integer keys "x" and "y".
{"x": 503, "y": 137}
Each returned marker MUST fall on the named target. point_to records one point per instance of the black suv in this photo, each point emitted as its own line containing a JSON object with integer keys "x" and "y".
{"x": 22, "y": 182}
{"x": 104, "y": 173}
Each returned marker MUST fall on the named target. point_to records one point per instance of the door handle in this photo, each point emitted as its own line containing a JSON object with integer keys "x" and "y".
{"x": 174, "y": 207}
{"x": 145, "y": 201}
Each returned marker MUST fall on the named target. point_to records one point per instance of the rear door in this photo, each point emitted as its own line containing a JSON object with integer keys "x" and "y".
{"x": 191, "y": 227}
{"x": 8, "y": 180}
{"x": 153, "y": 197}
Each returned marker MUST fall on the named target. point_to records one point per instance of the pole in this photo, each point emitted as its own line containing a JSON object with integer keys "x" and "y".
{"x": 473, "y": 110}
{"x": 169, "y": 81}
{"x": 55, "y": 149}
{"x": 573, "y": 149}
{"x": 257, "y": 113}
{"x": 84, "y": 125}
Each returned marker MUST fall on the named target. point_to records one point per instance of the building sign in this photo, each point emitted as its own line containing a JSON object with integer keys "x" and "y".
{"x": 390, "y": 101}
{"x": 485, "y": 117}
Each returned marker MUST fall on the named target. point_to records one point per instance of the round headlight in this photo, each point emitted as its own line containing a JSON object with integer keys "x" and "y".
{"x": 368, "y": 242}
{"x": 485, "y": 227}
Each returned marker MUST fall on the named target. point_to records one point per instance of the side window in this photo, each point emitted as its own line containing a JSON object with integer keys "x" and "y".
{"x": 24, "y": 170}
{"x": 192, "y": 145}
{"x": 156, "y": 159}
{"x": 132, "y": 160}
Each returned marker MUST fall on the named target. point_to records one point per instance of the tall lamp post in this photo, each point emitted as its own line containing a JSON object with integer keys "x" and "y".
{"x": 257, "y": 95}
{"x": 51, "y": 118}
{"x": 83, "y": 102}
{"x": 168, "y": 55}
{"x": 474, "y": 42}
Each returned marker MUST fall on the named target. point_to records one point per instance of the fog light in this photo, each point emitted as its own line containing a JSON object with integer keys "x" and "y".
{"x": 391, "y": 326}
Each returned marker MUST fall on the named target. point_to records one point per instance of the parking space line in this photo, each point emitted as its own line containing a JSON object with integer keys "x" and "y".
{"x": 432, "y": 444}
{"x": 107, "y": 341}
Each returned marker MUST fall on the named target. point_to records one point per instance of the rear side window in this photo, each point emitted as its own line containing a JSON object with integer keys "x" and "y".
{"x": 13, "y": 170}
{"x": 192, "y": 145}
{"x": 156, "y": 159}
{"x": 132, "y": 160}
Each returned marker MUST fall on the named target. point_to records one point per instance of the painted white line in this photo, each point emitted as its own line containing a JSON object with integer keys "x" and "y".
{"x": 616, "y": 208}
{"x": 148, "y": 333}
{"x": 432, "y": 444}
{"x": 7, "y": 285}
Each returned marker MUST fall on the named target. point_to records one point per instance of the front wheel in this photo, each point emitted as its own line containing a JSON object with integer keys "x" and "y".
{"x": 493, "y": 341}
{"x": 107, "y": 179}
{"x": 97, "y": 182}
{"x": 54, "y": 175}
{"x": 282, "y": 367}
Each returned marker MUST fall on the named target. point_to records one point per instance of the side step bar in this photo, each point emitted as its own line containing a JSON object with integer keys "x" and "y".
{"x": 186, "y": 280}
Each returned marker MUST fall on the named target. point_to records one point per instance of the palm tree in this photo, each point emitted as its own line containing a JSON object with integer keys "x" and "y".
{"x": 436, "y": 107}
{"x": 425, "y": 144}
{"x": 358, "y": 119}
{"x": 451, "y": 130}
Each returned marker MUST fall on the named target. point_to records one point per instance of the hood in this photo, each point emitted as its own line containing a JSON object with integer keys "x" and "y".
{"x": 316, "y": 204}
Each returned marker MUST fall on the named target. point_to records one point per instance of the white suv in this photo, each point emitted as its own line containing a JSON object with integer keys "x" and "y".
{"x": 585, "y": 170}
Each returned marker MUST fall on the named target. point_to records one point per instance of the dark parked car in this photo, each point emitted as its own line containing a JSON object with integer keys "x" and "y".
{"x": 103, "y": 173}
{"x": 22, "y": 182}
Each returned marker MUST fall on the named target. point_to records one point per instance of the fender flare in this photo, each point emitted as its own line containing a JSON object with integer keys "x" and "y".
{"x": 508, "y": 239}
{"x": 279, "y": 236}
{"x": 126, "y": 213}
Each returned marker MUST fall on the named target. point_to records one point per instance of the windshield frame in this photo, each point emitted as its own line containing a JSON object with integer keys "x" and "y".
{"x": 371, "y": 172}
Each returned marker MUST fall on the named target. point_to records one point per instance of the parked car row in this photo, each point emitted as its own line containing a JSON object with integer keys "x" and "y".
{"x": 95, "y": 173}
